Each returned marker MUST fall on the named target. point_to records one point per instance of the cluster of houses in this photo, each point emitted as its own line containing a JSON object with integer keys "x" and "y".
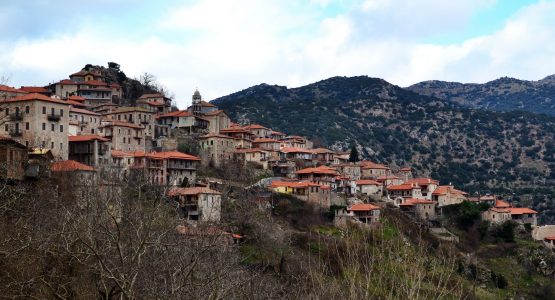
{"x": 76, "y": 125}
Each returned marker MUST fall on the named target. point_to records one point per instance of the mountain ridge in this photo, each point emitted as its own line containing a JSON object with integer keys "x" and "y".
{"x": 510, "y": 153}
{"x": 501, "y": 94}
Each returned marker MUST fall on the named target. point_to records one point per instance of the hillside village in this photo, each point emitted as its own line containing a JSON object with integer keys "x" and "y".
{"x": 78, "y": 126}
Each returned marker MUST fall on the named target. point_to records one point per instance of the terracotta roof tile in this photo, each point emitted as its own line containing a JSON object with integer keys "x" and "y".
{"x": 35, "y": 97}
{"x": 363, "y": 207}
{"x": 367, "y": 182}
{"x": 70, "y": 165}
{"x": 191, "y": 191}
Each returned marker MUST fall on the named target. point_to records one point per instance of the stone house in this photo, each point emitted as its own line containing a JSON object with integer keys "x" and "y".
{"x": 365, "y": 212}
{"x": 88, "y": 121}
{"x": 427, "y": 185}
{"x": 198, "y": 204}
{"x": 124, "y": 136}
{"x": 136, "y": 115}
{"x": 258, "y": 131}
{"x": 370, "y": 170}
{"x": 8, "y": 92}
{"x": 35, "y": 120}
{"x": 91, "y": 150}
{"x": 218, "y": 121}
{"x": 13, "y": 159}
{"x": 253, "y": 155}
{"x": 447, "y": 195}
{"x": 319, "y": 195}
{"x": 216, "y": 148}
{"x": 422, "y": 209}
{"x": 368, "y": 187}
{"x": 183, "y": 120}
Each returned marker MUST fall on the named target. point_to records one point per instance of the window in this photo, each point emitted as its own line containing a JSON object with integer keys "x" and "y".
{"x": 44, "y": 110}
{"x": 61, "y": 112}
{"x": 61, "y": 146}
{"x": 52, "y": 127}
{"x": 52, "y": 111}
{"x": 6, "y": 127}
{"x": 43, "y": 126}
{"x": 27, "y": 109}
{"x": 7, "y": 111}
{"x": 27, "y": 126}
{"x": 27, "y": 144}
{"x": 43, "y": 144}
{"x": 52, "y": 145}
{"x": 61, "y": 128}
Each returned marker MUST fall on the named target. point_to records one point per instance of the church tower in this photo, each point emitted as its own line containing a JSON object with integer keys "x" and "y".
{"x": 197, "y": 106}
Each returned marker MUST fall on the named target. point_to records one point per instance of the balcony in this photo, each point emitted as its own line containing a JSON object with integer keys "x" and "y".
{"x": 83, "y": 123}
{"x": 54, "y": 117}
{"x": 16, "y": 117}
{"x": 145, "y": 122}
{"x": 15, "y": 132}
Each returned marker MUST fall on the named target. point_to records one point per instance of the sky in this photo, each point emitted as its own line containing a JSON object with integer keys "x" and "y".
{"x": 224, "y": 46}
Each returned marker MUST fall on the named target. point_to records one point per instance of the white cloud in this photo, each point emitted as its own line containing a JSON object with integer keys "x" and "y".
{"x": 224, "y": 46}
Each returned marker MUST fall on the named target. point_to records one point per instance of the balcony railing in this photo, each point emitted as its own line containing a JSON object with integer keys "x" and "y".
{"x": 16, "y": 117}
{"x": 15, "y": 132}
{"x": 145, "y": 122}
{"x": 54, "y": 117}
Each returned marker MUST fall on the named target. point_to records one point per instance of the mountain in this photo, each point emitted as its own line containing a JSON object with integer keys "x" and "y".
{"x": 503, "y": 94}
{"x": 511, "y": 154}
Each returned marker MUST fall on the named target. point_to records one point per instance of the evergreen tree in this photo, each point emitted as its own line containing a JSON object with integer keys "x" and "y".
{"x": 353, "y": 157}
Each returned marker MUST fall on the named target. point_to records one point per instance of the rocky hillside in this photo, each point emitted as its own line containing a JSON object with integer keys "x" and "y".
{"x": 132, "y": 88}
{"x": 511, "y": 154}
{"x": 503, "y": 94}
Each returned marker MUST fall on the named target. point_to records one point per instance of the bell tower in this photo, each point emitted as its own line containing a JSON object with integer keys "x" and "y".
{"x": 197, "y": 106}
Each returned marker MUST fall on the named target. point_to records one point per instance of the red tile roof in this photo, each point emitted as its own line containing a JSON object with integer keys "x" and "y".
{"x": 521, "y": 210}
{"x": 171, "y": 155}
{"x": 215, "y": 113}
{"x": 402, "y": 187}
{"x": 179, "y": 113}
{"x": 35, "y": 97}
{"x": 278, "y": 133}
{"x": 34, "y": 89}
{"x": 9, "y": 89}
{"x": 408, "y": 169}
{"x": 367, "y": 182}
{"x": 501, "y": 204}
{"x": 191, "y": 191}
{"x": 96, "y": 83}
{"x": 321, "y": 151}
{"x": 371, "y": 165}
{"x": 67, "y": 82}
{"x": 207, "y": 104}
{"x": 318, "y": 170}
{"x": 148, "y": 96}
{"x": 265, "y": 140}
{"x": 413, "y": 201}
{"x": 363, "y": 207}
{"x": 255, "y": 126}
{"x": 294, "y": 184}
{"x": 294, "y": 150}
{"x": 447, "y": 189}
{"x": 70, "y": 165}
{"x": 77, "y": 103}
{"x": 86, "y": 138}
{"x": 422, "y": 181}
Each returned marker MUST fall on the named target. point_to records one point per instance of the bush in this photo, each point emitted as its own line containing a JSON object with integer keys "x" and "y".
{"x": 506, "y": 231}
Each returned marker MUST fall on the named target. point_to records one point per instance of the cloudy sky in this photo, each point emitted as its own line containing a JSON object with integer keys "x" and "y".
{"x": 222, "y": 46}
